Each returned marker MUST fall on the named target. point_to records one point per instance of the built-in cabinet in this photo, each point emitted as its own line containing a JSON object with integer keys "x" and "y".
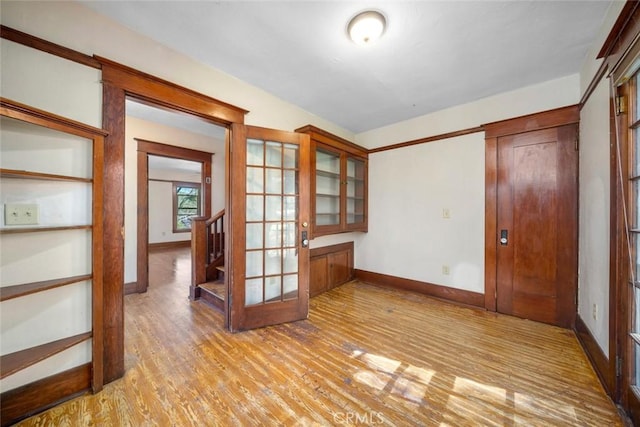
{"x": 338, "y": 183}
{"x": 330, "y": 266}
{"x": 51, "y": 171}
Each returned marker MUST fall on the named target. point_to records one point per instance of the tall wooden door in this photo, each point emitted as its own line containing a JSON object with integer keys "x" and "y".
{"x": 269, "y": 247}
{"x": 537, "y": 225}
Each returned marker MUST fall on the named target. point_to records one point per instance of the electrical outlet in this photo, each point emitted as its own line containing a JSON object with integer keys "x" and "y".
{"x": 595, "y": 311}
{"x": 446, "y": 213}
{"x": 445, "y": 270}
{"x": 20, "y": 214}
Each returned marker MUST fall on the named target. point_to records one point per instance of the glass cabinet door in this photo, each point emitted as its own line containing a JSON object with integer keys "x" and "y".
{"x": 355, "y": 191}
{"x": 327, "y": 188}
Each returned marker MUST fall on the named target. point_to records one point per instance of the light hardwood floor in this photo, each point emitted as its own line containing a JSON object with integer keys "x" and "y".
{"x": 366, "y": 356}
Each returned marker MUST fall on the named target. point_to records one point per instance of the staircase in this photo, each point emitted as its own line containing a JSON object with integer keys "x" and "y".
{"x": 207, "y": 260}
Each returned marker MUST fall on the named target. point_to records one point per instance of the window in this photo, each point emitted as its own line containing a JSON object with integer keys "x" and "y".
{"x": 186, "y": 204}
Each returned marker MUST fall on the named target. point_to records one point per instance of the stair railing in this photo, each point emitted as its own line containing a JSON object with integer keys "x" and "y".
{"x": 207, "y": 250}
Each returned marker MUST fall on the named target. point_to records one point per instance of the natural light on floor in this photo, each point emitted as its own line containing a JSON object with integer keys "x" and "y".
{"x": 468, "y": 398}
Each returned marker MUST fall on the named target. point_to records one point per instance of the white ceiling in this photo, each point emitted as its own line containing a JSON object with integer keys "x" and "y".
{"x": 434, "y": 54}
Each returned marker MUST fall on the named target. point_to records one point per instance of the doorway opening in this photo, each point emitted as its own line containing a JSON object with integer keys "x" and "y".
{"x": 170, "y": 158}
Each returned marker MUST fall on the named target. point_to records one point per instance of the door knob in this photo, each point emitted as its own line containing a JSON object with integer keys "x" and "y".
{"x": 504, "y": 237}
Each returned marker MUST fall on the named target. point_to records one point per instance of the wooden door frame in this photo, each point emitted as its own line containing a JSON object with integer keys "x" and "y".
{"x": 119, "y": 82}
{"x": 146, "y": 148}
{"x": 538, "y": 121}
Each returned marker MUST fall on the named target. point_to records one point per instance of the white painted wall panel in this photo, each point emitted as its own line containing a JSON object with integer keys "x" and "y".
{"x": 408, "y": 190}
{"x": 50, "y": 83}
{"x": 593, "y": 281}
{"x": 33, "y": 257}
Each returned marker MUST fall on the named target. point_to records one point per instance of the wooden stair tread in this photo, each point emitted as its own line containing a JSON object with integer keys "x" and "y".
{"x": 14, "y": 362}
{"x": 220, "y": 268}
{"x": 9, "y": 292}
{"x": 218, "y": 289}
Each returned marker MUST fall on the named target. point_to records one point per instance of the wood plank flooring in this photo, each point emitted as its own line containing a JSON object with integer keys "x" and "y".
{"x": 366, "y": 356}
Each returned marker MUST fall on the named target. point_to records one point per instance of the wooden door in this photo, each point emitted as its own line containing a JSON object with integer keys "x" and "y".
{"x": 269, "y": 200}
{"x": 537, "y": 225}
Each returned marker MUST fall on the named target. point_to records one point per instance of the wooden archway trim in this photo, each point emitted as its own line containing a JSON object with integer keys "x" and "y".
{"x": 163, "y": 93}
{"x": 119, "y": 82}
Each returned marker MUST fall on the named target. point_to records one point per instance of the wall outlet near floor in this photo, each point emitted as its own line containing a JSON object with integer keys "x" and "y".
{"x": 446, "y": 213}
{"x": 595, "y": 312}
{"x": 445, "y": 270}
{"x": 20, "y": 214}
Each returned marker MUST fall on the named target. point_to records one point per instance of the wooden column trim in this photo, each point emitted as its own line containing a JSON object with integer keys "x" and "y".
{"x": 113, "y": 119}
{"x": 142, "y": 229}
{"x": 490, "y": 223}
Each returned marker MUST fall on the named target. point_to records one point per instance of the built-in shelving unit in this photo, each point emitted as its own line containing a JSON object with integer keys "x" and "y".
{"x": 338, "y": 183}
{"x": 55, "y": 166}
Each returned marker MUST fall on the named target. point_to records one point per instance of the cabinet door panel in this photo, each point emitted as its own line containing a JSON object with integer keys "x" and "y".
{"x": 339, "y": 268}
{"x": 318, "y": 276}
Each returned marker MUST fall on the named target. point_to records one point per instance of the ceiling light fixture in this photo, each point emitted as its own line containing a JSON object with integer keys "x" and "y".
{"x": 366, "y": 27}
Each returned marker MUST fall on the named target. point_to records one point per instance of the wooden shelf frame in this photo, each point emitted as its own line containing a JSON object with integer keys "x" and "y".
{"x": 16, "y": 291}
{"x": 20, "y": 229}
{"x": 96, "y": 137}
{"x": 23, "y": 174}
{"x": 15, "y": 362}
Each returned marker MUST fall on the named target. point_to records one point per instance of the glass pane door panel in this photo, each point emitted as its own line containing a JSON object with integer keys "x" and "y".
{"x": 255, "y": 208}
{"x": 271, "y": 222}
{"x": 636, "y": 358}
{"x": 636, "y": 257}
{"x": 290, "y": 286}
{"x": 255, "y": 152}
{"x": 274, "y": 154}
{"x": 253, "y": 291}
{"x": 635, "y": 324}
{"x": 636, "y": 154}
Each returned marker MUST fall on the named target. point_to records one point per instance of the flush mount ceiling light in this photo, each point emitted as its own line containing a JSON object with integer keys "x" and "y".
{"x": 366, "y": 27}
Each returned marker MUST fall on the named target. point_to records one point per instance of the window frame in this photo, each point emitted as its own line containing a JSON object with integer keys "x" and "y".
{"x": 174, "y": 217}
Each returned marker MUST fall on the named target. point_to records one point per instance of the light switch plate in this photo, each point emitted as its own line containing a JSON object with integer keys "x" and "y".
{"x": 21, "y": 214}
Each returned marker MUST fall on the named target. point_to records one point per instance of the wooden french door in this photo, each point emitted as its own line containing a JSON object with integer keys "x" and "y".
{"x": 537, "y": 225}
{"x": 269, "y": 247}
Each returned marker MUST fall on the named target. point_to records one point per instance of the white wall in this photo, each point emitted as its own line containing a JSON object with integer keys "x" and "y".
{"x": 411, "y": 186}
{"x": 161, "y": 217}
{"x": 593, "y": 278}
{"x": 594, "y": 182}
